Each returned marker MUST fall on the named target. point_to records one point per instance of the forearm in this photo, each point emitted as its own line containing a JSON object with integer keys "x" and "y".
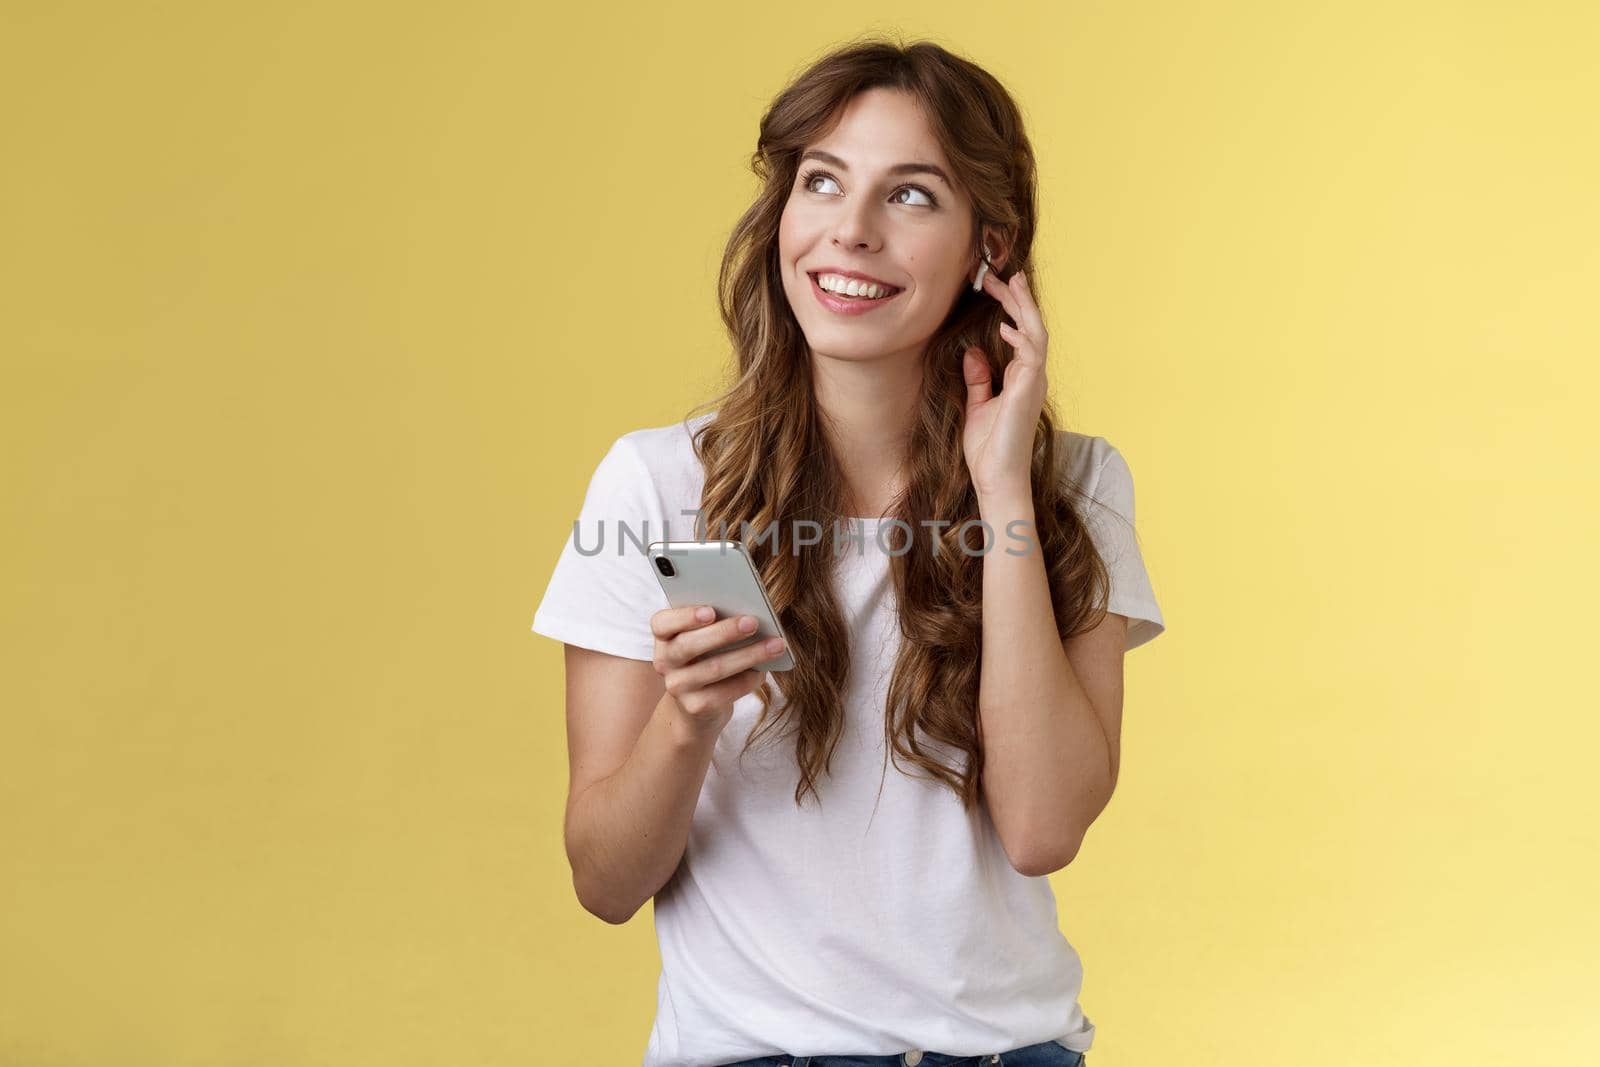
{"x": 1047, "y": 762}
{"x": 627, "y": 832}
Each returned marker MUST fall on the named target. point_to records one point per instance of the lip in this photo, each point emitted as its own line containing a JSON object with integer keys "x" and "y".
{"x": 841, "y": 306}
{"x": 854, "y": 274}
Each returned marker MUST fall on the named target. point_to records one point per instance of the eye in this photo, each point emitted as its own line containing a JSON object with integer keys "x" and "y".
{"x": 812, "y": 176}
{"x": 918, "y": 189}
{"x": 821, "y": 175}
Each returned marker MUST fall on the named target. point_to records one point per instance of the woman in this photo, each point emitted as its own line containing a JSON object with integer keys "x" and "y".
{"x": 810, "y": 904}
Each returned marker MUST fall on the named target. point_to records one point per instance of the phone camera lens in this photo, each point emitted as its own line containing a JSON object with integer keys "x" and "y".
{"x": 664, "y": 565}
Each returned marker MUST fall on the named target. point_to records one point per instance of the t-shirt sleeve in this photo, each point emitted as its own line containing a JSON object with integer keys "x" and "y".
{"x": 602, "y": 593}
{"x": 1111, "y": 525}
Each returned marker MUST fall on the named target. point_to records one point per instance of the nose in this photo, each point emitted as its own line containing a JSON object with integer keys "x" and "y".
{"x": 857, "y": 227}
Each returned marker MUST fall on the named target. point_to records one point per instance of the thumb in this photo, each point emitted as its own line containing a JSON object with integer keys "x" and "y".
{"x": 976, "y": 371}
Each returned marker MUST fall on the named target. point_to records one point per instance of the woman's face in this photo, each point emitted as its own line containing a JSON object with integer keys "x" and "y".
{"x": 874, "y": 197}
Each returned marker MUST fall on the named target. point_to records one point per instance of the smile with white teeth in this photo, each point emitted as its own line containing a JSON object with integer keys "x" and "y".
{"x": 853, "y": 287}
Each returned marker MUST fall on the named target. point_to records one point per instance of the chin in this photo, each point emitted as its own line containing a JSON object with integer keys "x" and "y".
{"x": 845, "y": 344}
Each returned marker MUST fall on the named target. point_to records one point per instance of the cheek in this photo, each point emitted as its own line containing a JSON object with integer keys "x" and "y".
{"x": 936, "y": 272}
{"x": 795, "y": 231}
{"x": 783, "y": 231}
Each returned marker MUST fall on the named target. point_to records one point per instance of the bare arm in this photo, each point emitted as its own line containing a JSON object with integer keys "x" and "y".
{"x": 1050, "y": 713}
{"x": 639, "y": 741}
{"x": 626, "y": 831}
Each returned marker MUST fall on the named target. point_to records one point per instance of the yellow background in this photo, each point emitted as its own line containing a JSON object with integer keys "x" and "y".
{"x": 317, "y": 316}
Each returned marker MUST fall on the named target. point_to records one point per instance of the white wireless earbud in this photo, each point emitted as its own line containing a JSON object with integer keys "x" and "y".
{"x": 977, "y": 285}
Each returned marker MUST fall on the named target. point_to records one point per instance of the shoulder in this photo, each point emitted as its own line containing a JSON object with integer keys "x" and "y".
{"x": 1095, "y": 466}
{"x": 655, "y": 467}
{"x": 1083, "y": 458}
{"x": 666, "y": 452}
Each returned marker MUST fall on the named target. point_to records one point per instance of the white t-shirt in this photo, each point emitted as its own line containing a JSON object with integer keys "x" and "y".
{"x": 875, "y": 923}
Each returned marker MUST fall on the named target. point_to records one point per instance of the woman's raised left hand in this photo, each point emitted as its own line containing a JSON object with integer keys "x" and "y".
{"x": 998, "y": 431}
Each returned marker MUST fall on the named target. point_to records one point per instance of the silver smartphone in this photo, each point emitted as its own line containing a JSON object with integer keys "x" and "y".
{"x": 721, "y": 574}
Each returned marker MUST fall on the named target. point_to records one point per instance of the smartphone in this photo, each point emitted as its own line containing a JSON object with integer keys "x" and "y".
{"x": 721, "y": 574}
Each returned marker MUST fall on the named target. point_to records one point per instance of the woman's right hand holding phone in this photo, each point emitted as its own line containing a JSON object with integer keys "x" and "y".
{"x": 706, "y": 685}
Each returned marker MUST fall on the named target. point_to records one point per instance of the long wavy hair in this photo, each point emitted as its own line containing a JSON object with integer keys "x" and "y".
{"x": 768, "y": 461}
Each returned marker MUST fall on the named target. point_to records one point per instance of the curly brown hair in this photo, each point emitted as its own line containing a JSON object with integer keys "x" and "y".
{"x": 768, "y": 461}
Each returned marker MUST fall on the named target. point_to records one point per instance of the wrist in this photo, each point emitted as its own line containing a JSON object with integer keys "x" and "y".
{"x": 691, "y": 731}
{"x": 1005, "y": 503}
{"x": 1010, "y": 515}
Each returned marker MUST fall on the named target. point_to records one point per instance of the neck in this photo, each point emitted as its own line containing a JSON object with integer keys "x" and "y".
{"x": 868, "y": 408}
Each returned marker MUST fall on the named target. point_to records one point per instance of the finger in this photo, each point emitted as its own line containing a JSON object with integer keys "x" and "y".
{"x": 1024, "y": 378}
{"x": 975, "y": 369}
{"x": 1029, "y": 353}
{"x": 687, "y": 647}
{"x": 731, "y": 689}
{"x": 669, "y": 622}
{"x": 1017, "y": 300}
{"x": 1032, "y": 319}
{"x": 1003, "y": 293}
{"x": 715, "y": 668}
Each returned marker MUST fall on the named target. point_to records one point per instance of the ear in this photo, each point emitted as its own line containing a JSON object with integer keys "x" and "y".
{"x": 999, "y": 250}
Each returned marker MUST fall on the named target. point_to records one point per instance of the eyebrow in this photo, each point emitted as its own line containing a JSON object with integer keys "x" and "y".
{"x": 898, "y": 168}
